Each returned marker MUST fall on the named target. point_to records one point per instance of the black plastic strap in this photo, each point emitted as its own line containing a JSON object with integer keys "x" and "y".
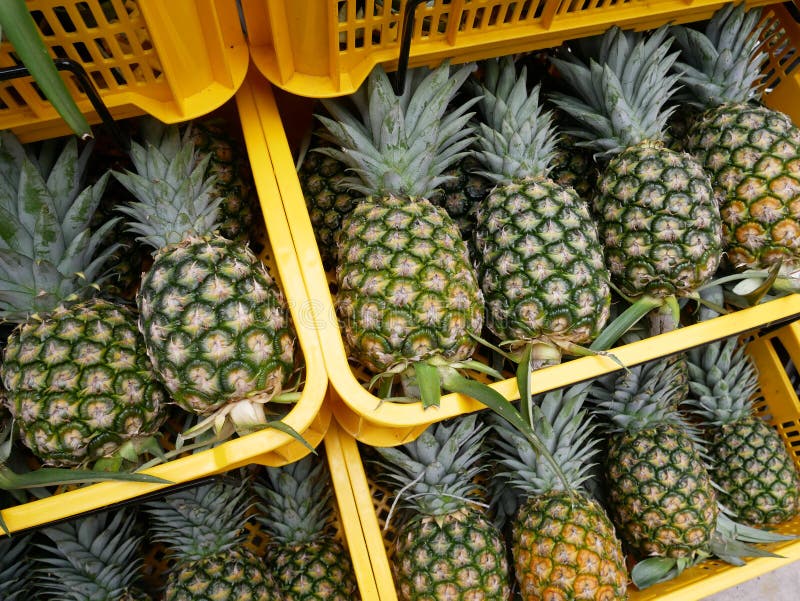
{"x": 407, "y": 28}
{"x": 87, "y": 87}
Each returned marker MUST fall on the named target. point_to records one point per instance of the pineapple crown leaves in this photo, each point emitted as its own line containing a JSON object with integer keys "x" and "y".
{"x": 722, "y": 382}
{"x": 516, "y": 138}
{"x": 619, "y": 95}
{"x": 724, "y": 63}
{"x": 175, "y": 199}
{"x": 400, "y": 145}
{"x": 202, "y": 521}
{"x": 559, "y": 420}
{"x": 48, "y": 252}
{"x": 295, "y": 501}
{"x": 438, "y": 468}
{"x": 14, "y": 566}
{"x": 639, "y": 398}
{"x": 723, "y": 379}
{"x": 94, "y": 557}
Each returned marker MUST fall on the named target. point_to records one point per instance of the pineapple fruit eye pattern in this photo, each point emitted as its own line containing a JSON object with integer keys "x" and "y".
{"x": 78, "y": 381}
{"x": 215, "y": 323}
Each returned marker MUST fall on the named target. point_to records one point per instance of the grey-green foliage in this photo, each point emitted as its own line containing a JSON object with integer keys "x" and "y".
{"x": 91, "y": 558}
{"x": 14, "y": 567}
{"x": 48, "y": 251}
{"x": 724, "y": 63}
{"x": 619, "y": 94}
{"x": 401, "y": 144}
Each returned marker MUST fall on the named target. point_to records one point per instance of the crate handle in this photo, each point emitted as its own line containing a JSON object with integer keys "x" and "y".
{"x": 85, "y": 82}
{"x": 405, "y": 45}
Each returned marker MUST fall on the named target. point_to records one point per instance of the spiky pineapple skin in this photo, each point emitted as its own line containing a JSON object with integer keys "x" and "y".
{"x": 320, "y": 570}
{"x": 406, "y": 290}
{"x": 574, "y": 167}
{"x": 757, "y": 477}
{"x": 461, "y": 196}
{"x": 326, "y": 199}
{"x": 659, "y": 221}
{"x": 234, "y": 180}
{"x": 460, "y": 555}
{"x": 753, "y": 156}
{"x": 215, "y": 324}
{"x": 541, "y": 267}
{"x": 565, "y": 547}
{"x": 236, "y": 573}
{"x": 660, "y": 493}
{"x": 79, "y": 382}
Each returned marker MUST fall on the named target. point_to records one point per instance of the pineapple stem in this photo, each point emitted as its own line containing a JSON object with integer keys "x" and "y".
{"x": 666, "y": 317}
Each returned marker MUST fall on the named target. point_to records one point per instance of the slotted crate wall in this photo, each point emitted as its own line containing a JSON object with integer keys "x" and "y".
{"x": 135, "y": 58}
{"x": 323, "y": 48}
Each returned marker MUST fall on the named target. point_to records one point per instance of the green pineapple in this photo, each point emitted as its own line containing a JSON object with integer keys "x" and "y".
{"x": 78, "y": 381}
{"x": 657, "y": 215}
{"x": 407, "y": 293}
{"x": 216, "y": 326}
{"x": 751, "y": 152}
{"x": 750, "y": 464}
{"x": 660, "y": 492}
{"x": 327, "y": 199}
{"x": 564, "y": 544}
{"x": 202, "y": 528}
{"x": 308, "y": 560}
{"x": 90, "y": 558}
{"x": 461, "y": 195}
{"x": 539, "y": 258}
{"x": 445, "y": 547}
{"x": 230, "y": 167}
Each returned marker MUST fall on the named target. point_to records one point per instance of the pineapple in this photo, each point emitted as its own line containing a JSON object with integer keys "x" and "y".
{"x": 327, "y": 200}
{"x": 540, "y": 262}
{"x": 751, "y": 152}
{"x": 564, "y": 544}
{"x": 308, "y": 560}
{"x": 461, "y": 195}
{"x": 233, "y": 183}
{"x": 445, "y": 547}
{"x": 78, "y": 381}
{"x": 750, "y": 464}
{"x": 660, "y": 491}
{"x": 657, "y": 215}
{"x": 92, "y": 557}
{"x": 407, "y": 293}
{"x": 202, "y": 528}
{"x": 216, "y": 326}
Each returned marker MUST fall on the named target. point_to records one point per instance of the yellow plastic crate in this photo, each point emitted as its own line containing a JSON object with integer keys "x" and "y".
{"x": 371, "y": 420}
{"x": 309, "y": 416}
{"x": 323, "y": 48}
{"x": 339, "y": 453}
{"x": 175, "y": 60}
{"x": 777, "y": 355}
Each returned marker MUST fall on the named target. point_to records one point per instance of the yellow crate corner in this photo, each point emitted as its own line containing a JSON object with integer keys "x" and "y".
{"x": 310, "y": 416}
{"x": 134, "y": 58}
{"x": 774, "y": 353}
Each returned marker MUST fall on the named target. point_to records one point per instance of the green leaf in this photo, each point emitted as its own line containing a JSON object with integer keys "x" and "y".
{"x": 626, "y": 320}
{"x": 653, "y": 570}
{"x": 455, "y": 382}
{"x": 429, "y": 383}
{"x": 287, "y": 429}
{"x": 21, "y": 31}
